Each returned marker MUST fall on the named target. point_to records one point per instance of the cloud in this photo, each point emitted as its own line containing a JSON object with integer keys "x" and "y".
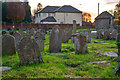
{"x": 109, "y": 2}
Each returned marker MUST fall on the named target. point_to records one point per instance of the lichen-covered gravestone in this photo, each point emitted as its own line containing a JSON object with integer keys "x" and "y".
{"x": 67, "y": 34}
{"x": 74, "y": 30}
{"x": 21, "y": 32}
{"x": 18, "y": 37}
{"x": 42, "y": 31}
{"x": 88, "y": 35}
{"x": 99, "y": 34}
{"x": 106, "y": 35}
{"x": 114, "y": 34}
{"x": 39, "y": 37}
{"x": 8, "y": 44}
{"x": 30, "y": 32}
{"x": 118, "y": 37}
{"x": 81, "y": 44}
{"x": 28, "y": 51}
{"x": 55, "y": 39}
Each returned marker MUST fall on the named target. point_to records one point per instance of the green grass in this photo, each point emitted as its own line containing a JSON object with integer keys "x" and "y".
{"x": 68, "y": 64}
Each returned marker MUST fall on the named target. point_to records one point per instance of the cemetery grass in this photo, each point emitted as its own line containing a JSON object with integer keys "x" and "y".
{"x": 67, "y": 65}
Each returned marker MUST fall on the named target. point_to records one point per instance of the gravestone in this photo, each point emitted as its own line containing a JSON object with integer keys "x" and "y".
{"x": 39, "y": 37}
{"x": 99, "y": 34}
{"x": 30, "y": 32}
{"x": 8, "y": 44}
{"x": 81, "y": 44}
{"x": 74, "y": 30}
{"x": 118, "y": 38}
{"x": 50, "y": 30}
{"x": 21, "y": 32}
{"x": 18, "y": 37}
{"x": 67, "y": 34}
{"x": 111, "y": 25}
{"x": 42, "y": 32}
{"x": 55, "y": 39}
{"x": 114, "y": 34}
{"x": 106, "y": 35}
{"x": 11, "y": 32}
{"x": 28, "y": 51}
{"x": 88, "y": 35}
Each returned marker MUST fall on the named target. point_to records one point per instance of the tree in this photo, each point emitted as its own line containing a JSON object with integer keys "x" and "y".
{"x": 4, "y": 11}
{"x": 116, "y": 13}
{"x": 39, "y": 6}
{"x": 111, "y": 12}
{"x": 34, "y": 11}
{"x": 16, "y": 11}
{"x": 28, "y": 13}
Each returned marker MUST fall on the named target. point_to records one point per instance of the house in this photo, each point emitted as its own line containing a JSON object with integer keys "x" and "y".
{"x": 59, "y": 15}
{"x": 103, "y": 20}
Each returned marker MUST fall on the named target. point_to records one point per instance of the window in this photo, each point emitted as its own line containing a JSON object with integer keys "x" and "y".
{"x": 49, "y": 14}
{"x": 44, "y": 14}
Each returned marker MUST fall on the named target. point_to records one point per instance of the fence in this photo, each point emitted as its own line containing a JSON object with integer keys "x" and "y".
{"x": 47, "y": 26}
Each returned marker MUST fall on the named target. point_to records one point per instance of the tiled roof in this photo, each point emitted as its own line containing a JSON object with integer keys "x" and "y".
{"x": 65, "y": 8}
{"x": 104, "y": 15}
{"x": 49, "y": 19}
{"x": 68, "y": 8}
{"x": 49, "y": 9}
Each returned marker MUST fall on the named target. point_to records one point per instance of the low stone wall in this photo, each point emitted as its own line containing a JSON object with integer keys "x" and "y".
{"x": 47, "y": 26}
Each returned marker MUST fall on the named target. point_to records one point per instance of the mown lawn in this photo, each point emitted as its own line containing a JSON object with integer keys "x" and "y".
{"x": 67, "y": 65}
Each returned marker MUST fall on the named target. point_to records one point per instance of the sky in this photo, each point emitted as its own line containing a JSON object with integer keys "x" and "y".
{"x": 90, "y": 6}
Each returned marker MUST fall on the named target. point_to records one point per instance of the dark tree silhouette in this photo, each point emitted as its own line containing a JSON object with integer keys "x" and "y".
{"x": 28, "y": 18}
{"x": 16, "y": 11}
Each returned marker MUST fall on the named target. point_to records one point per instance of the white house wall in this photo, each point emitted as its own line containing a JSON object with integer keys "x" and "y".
{"x": 62, "y": 18}
{"x": 68, "y": 19}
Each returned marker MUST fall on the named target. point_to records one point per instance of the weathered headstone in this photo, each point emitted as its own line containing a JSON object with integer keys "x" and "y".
{"x": 81, "y": 44}
{"x": 18, "y": 37}
{"x": 42, "y": 31}
{"x": 39, "y": 37}
{"x": 21, "y": 32}
{"x": 11, "y": 32}
{"x": 67, "y": 34}
{"x": 8, "y": 44}
{"x": 74, "y": 30}
{"x": 28, "y": 51}
{"x": 30, "y": 32}
{"x": 99, "y": 34}
{"x": 55, "y": 39}
{"x": 117, "y": 70}
{"x": 88, "y": 35}
{"x": 114, "y": 34}
{"x": 111, "y": 25}
{"x": 106, "y": 35}
{"x": 118, "y": 37}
